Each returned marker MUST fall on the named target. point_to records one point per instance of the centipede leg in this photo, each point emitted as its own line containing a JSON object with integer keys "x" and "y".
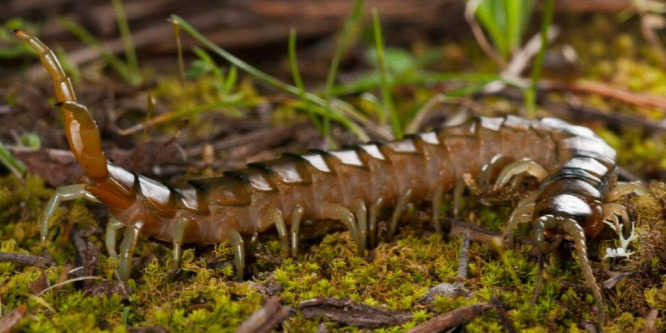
{"x": 622, "y": 188}
{"x": 361, "y": 213}
{"x": 339, "y": 212}
{"x": 520, "y": 167}
{"x": 540, "y": 226}
{"x": 295, "y": 223}
{"x": 63, "y": 193}
{"x": 521, "y": 214}
{"x": 276, "y": 217}
{"x": 457, "y": 195}
{"x": 237, "y": 245}
{"x": 373, "y": 216}
{"x": 491, "y": 170}
{"x": 112, "y": 228}
{"x": 613, "y": 210}
{"x": 575, "y": 231}
{"x": 178, "y": 235}
{"x": 399, "y": 208}
{"x": 436, "y": 201}
{"x": 127, "y": 247}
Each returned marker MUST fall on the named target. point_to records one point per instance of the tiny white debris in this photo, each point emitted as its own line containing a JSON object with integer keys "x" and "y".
{"x": 620, "y": 252}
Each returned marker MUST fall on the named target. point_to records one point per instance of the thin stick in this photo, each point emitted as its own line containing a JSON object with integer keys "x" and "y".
{"x": 82, "y": 278}
{"x": 452, "y": 318}
{"x": 24, "y": 259}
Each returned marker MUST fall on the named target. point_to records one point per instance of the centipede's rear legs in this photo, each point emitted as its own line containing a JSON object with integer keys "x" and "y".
{"x": 63, "y": 193}
{"x": 127, "y": 247}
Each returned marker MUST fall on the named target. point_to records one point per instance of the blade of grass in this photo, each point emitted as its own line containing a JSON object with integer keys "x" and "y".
{"x": 116, "y": 63}
{"x": 421, "y": 78}
{"x": 126, "y": 36}
{"x": 530, "y": 94}
{"x": 333, "y": 69}
{"x": 181, "y": 64}
{"x": 387, "y": 98}
{"x": 9, "y": 161}
{"x": 293, "y": 63}
{"x": 344, "y": 119}
{"x": 187, "y": 112}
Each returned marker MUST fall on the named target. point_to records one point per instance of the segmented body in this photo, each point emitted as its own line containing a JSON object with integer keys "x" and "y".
{"x": 421, "y": 163}
{"x": 576, "y": 170}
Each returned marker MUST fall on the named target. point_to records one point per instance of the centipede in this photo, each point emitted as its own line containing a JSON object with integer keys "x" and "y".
{"x": 575, "y": 170}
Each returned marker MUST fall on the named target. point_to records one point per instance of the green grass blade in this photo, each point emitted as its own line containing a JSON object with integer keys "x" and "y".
{"x": 530, "y": 94}
{"x": 295, "y": 73}
{"x": 513, "y": 23}
{"x": 489, "y": 13}
{"x": 9, "y": 161}
{"x": 333, "y": 69}
{"x": 344, "y": 119}
{"x": 387, "y": 98}
{"x": 421, "y": 78}
{"x": 116, "y": 63}
{"x": 126, "y": 36}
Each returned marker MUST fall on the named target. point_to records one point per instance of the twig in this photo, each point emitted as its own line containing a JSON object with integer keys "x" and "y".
{"x": 535, "y": 295}
{"x": 8, "y": 321}
{"x": 616, "y": 277}
{"x": 265, "y": 319}
{"x": 506, "y": 321}
{"x": 452, "y": 318}
{"x": 352, "y": 313}
{"x": 606, "y": 91}
{"x": 464, "y": 256}
{"x": 460, "y": 227}
{"x": 25, "y": 259}
{"x": 82, "y": 278}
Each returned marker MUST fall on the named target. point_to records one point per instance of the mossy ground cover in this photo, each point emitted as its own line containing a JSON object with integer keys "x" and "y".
{"x": 202, "y": 294}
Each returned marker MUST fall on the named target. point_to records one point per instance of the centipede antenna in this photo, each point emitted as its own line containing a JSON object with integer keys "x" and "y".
{"x": 575, "y": 231}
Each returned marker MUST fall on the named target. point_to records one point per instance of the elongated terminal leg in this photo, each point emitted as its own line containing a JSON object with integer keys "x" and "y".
{"x": 374, "y": 215}
{"x": 520, "y": 167}
{"x": 362, "y": 222}
{"x": 436, "y": 201}
{"x": 295, "y": 223}
{"x": 63, "y": 193}
{"x": 575, "y": 231}
{"x": 237, "y": 245}
{"x": 127, "y": 247}
{"x": 622, "y": 189}
{"x": 112, "y": 228}
{"x": 339, "y": 212}
{"x": 178, "y": 235}
{"x": 276, "y": 218}
{"x": 399, "y": 208}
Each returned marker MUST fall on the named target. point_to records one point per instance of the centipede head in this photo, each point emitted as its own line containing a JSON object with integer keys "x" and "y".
{"x": 566, "y": 216}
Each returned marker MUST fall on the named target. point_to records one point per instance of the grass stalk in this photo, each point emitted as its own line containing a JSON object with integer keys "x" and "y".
{"x": 333, "y": 69}
{"x": 387, "y": 98}
{"x": 126, "y": 36}
{"x": 344, "y": 119}
{"x": 531, "y": 92}
{"x": 293, "y": 63}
